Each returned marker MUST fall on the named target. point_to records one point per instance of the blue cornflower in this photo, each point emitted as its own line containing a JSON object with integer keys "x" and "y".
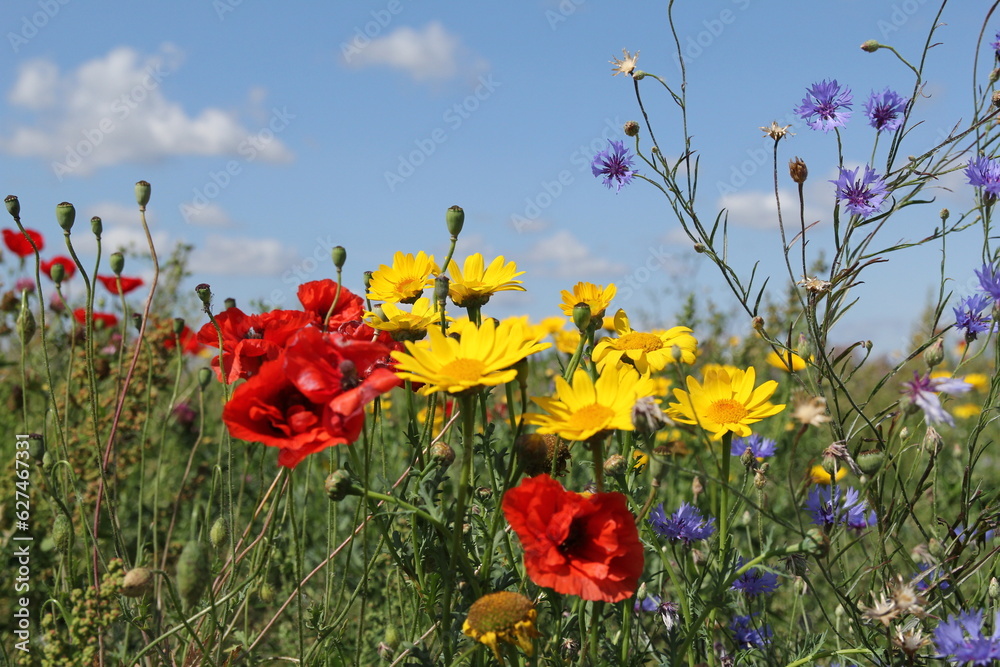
{"x": 746, "y": 635}
{"x": 885, "y": 110}
{"x": 922, "y": 391}
{"x": 864, "y": 196}
{"x": 963, "y": 638}
{"x": 996, "y": 45}
{"x": 963, "y": 535}
{"x": 989, "y": 281}
{"x": 754, "y": 581}
{"x": 984, "y": 172}
{"x": 934, "y": 575}
{"x": 686, "y": 524}
{"x": 829, "y": 508}
{"x": 760, "y": 446}
{"x": 969, "y": 316}
{"x": 648, "y": 603}
{"x": 614, "y": 164}
{"x": 826, "y": 106}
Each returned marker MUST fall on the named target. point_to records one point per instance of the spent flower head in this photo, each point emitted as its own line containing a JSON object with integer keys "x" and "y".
{"x": 624, "y": 65}
{"x": 863, "y": 196}
{"x": 826, "y": 106}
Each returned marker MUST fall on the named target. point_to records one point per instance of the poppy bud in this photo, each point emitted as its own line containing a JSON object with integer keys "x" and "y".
{"x": 454, "y": 218}
{"x": 631, "y": 128}
{"x": 96, "y": 226}
{"x": 62, "y": 533}
{"x": 13, "y": 206}
{"x": 338, "y": 485}
{"x": 57, "y": 273}
{"x": 219, "y": 532}
{"x": 142, "y": 190}
{"x": 65, "y": 216}
{"x": 137, "y": 582}
{"x": 870, "y": 46}
{"x": 339, "y": 256}
{"x": 204, "y": 377}
{"x": 193, "y": 572}
{"x": 117, "y": 263}
{"x": 26, "y": 326}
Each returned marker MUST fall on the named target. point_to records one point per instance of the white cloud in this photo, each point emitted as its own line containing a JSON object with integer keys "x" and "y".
{"x": 431, "y": 53}
{"x": 756, "y": 209}
{"x": 207, "y": 215}
{"x": 122, "y": 231}
{"x": 562, "y": 255}
{"x": 236, "y": 256}
{"x": 113, "y": 109}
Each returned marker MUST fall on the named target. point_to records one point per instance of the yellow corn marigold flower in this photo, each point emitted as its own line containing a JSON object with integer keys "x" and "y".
{"x": 786, "y": 361}
{"x": 641, "y": 459}
{"x": 725, "y": 402}
{"x": 405, "y": 280}
{"x": 586, "y": 408}
{"x": 549, "y": 326}
{"x": 404, "y": 325}
{"x": 819, "y": 474}
{"x": 502, "y": 617}
{"x": 597, "y": 297}
{"x": 483, "y": 356}
{"x": 567, "y": 340}
{"x": 473, "y": 285}
{"x": 978, "y": 380}
{"x": 646, "y": 351}
{"x": 966, "y": 410}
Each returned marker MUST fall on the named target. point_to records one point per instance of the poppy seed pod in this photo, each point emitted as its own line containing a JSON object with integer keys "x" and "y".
{"x": 142, "y": 191}
{"x": 454, "y": 218}
{"x": 204, "y": 292}
{"x": 96, "y": 226}
{"x": 57, "y": 273}
{"x": 339, "y": 256}
{"x": 117, "y": 262}
{"x": 66, "y": 216}
{"x": 204, "y": 377}
{"x": 13, "y": 206}
{"x": 229, "y": 303}
{"x": 178, "y": 326}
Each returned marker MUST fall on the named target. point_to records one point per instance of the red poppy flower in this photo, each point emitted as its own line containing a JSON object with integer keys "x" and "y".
{"x": 576, "y": 545}
{"x": 128, "y": 284}
{"x": 317, "y": 297}
{"x": 309, "y": 398}
{"x": 106, "y": 320}
{"x": 69, "y": 266}
{"x": 189, "y": 340}
{"x": 20, "y": 246}
{"x": 250, "y": 340}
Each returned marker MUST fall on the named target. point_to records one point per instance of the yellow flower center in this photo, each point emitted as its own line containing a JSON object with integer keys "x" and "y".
{"x": 637, "y": 340}
{"x": 590, "y": 417}
{"x": 726, "y": 411}
{"x": 464, "y": 370}
{"x": 412, "y": 285}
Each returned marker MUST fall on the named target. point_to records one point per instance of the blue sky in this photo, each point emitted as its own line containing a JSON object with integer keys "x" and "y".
{"x": 270, "y": 134}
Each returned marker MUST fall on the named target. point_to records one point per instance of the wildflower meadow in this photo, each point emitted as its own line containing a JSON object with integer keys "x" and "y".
{"x": 383, "y": 472}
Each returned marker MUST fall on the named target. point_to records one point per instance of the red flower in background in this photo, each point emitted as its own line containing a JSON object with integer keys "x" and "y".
{"x": 250, "y": 340}
{"x": 69, "y": 266}
{"x": 312, "y": 396}
{"x": 128, "y": 284}
{"x": 576, "y": 545}
{"x": 19, "y": 245}
{"x": 106, "y": 320}
{"x": 188, "y": 339}
{"x": 317, "y": 296}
